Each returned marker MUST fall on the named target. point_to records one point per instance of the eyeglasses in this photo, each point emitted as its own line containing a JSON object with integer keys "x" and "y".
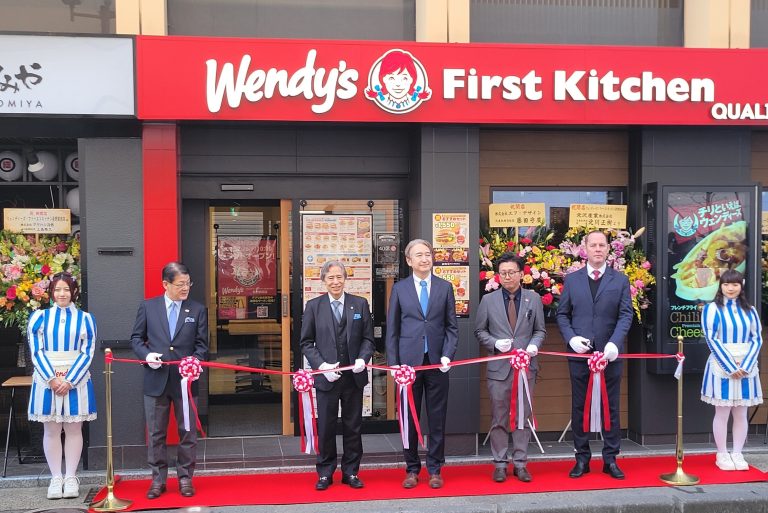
{"x": 183, "y": 285}
{"x": 508, "y": 274}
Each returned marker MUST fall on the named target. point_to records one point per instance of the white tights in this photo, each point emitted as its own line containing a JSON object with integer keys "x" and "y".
{"x": 720, "y": 427}
{"x": 73, "y": 446}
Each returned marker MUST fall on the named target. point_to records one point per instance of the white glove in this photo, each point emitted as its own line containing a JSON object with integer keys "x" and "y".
{"x": 445, "y": 361}
{"x": 330, "y": 376}
{"x": 611, "y": 352}
{"x": 532, "y": 350}
{"x": 503, "y": 344}
{"x": 359, "y": 366}
{"x": 580, "y": 344}
{"x": 154, "y": 361}
{"x": 394, "y": 368}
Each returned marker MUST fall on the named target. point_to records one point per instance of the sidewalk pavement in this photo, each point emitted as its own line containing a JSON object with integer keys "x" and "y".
{"x": 26, "y": 493}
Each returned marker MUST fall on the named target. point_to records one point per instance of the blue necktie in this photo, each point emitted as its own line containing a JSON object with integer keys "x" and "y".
{"x": 424, "y": 301}
{"x": 173, "y": 316}
{"x": 337, "y": 310}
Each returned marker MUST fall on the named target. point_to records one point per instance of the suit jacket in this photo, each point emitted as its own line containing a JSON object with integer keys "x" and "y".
{"x": 318, "y": 335}
{"x": 151, "y": 335}
{"x": 606, "y": 319}
{"x": 492, "y": 324}
{"x": 407, "y": 325}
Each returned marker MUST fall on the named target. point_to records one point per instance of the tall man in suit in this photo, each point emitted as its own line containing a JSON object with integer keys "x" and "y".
{"x": 169, "y": 327}
{"x": 337, "y": 330}
{"x": 510, "y": 318}
{"x": 422, "y": 330}
{"x": 595, "y": 314}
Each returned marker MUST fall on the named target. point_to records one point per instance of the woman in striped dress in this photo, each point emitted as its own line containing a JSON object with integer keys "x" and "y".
{"x": 62, "y": 341}
{"x": 731, "y": 377}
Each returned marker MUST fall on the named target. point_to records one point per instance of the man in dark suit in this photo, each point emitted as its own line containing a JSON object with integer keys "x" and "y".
{"x": 510, "y": 318}
{"x": 595, "y": 314}
{"x": 337, "y": 330}
{"x": 422, "y": 330}
{"x": 172, "y": 327}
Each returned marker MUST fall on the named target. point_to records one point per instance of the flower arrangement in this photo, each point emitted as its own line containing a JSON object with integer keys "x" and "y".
{"x": 546, "y": 264}
{"x": 26, "y": 266}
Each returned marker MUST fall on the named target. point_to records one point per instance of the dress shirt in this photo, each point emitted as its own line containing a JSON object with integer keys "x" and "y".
{"x": 417, "y": 282}
{"x": 591, "y": 270}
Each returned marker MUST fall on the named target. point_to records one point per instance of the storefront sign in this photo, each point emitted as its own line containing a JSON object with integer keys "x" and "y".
{"x": 66, "y": 75}
{"x": 450, "y": 243}
{"x": 37, "y": 220}
{"x": 597, "y": 216}
{"x": 362, "y": 81}
{"x": 247, "y": 277}
{"x": 346, "y": 238}
{"x": 707, "y": 234}
{"x": 507, "y": 215}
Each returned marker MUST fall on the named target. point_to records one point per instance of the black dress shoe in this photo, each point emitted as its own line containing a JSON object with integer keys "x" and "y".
{"x": 155, "y": 491}
{"x": 523, "y": 474}
{"x": 323, "y": 483}
{"x": 185, "y": 487}
{"x": 579, "y": 469}
{"x": 499, "y": 474}
{"x": 613, "y": 470}
{"x": 352, "y": 480}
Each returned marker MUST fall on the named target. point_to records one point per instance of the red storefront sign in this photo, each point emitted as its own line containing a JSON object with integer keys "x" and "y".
{"x": 355, "y": 81}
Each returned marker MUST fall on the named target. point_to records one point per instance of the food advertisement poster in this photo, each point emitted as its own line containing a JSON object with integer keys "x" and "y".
{"x": 247, "y": 277}
{"x": 706, "y": 235}
{"x": 450, "y": 240}
{"x": 347, "y": 238}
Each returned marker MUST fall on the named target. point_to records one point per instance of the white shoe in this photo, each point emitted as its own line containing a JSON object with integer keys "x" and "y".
{"x": 724, "y": 462}
{"x": 739, "y": 462}
{"x": 54, "y": 489}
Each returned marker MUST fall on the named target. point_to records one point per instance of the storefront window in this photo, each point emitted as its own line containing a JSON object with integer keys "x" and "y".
{"x": 63, "y": 17}
{"x": 557, "y": 203}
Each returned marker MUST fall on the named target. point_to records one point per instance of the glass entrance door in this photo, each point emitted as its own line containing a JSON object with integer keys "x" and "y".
{"x": 247, "y": 257}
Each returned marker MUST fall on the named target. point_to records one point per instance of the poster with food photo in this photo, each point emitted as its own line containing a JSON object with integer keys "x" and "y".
{"x": 450, "y": 238}
{"x": 458, "y": 276}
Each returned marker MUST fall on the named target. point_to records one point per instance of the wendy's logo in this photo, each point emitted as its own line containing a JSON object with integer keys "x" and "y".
{"x": 397, "y": 82}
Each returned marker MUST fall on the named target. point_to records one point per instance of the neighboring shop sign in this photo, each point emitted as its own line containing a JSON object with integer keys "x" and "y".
{"x": 66, "y": 75}
{"x": 597, "y": 216}
{"x": 707, "y": 234}
{"x": 352, "y": 81}
{"x": 450, "y": 240}
{"x": 247, "y": 277}
{"x": 37, "y": 220}
{"x": 346, "y": 238}
{"x": 507, "y": 215}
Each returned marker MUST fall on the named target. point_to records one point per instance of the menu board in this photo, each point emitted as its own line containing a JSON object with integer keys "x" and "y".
{"x": 450, "y": 242}
{"x": 247, "y": 277}
{"x": 346, "y": 238}
{"x": 707, "y": 234}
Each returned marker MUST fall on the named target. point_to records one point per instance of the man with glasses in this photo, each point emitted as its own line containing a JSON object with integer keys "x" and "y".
{"x": 510, "y": 318}
{"x": 422, "y": 330}
{"x": 169, "y": 327}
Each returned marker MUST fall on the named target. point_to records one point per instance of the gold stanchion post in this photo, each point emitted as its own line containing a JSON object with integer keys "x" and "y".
{"x": 679, "y": 477}
{"x": 110, "y": 502}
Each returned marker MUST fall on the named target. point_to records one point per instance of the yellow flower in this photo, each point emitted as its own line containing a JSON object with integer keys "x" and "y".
{"x": 527, "y": 279}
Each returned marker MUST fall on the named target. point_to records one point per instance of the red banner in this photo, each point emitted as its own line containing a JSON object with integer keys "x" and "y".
{"x": 247, "y": 276}
{"x": 400, "y": 81}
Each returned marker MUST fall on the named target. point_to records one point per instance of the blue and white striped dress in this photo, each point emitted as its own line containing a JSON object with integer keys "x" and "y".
{"x": 731, "y": 324}
{"x": 52, "y": 333}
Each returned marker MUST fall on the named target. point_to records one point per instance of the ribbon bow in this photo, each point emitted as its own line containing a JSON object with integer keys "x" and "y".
{"x": 303, "y": 382}
{"x": 597, "y": 395}
{"x": 190, "y": 369}
{"x": 405, "y": 376}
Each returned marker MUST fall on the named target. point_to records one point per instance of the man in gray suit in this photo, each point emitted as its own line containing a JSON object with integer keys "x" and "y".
{"x": 337, "y": 330}
{"x": 169, "y": 327}
{"x": 510, "y": 318}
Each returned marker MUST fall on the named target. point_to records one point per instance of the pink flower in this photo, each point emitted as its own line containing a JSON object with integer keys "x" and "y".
{"x": 646, "y": 265}
{"x": 639, "y": 284}
{"x": 525, "y": 241}
{"x": 545, "y": 281}
{"x": 482, "y": 275}
{"x": 11, "y": 293}
{"x": 527, "y": 269}
{"x": 547, "y": 299}
{"x": 544, "y": 275}
{"x": 550, "y": 247}
{"x": 37, "y": 292}
{"x": 61, "y": 247}
{"x": 45, "y": 270}
{"x": 632, "y": 290}
{"x": 491, "y": 285}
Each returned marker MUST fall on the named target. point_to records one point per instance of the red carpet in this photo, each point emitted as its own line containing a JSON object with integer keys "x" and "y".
{"x": 548, "y": 476}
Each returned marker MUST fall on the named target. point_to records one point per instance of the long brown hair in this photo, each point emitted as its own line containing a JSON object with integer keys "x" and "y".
{"x": 732, "y": 276}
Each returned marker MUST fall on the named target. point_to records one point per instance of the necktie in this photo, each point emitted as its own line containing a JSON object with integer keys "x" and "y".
{"x": 172, "y": 318}
{"x": 596, "y": 274}
{"x": 424, "y": 302}
{"x": 512, "y": 313}
{"x": 337, "y": 310}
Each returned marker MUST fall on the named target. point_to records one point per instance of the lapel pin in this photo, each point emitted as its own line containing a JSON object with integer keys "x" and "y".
{"x": 186, "y": 310}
